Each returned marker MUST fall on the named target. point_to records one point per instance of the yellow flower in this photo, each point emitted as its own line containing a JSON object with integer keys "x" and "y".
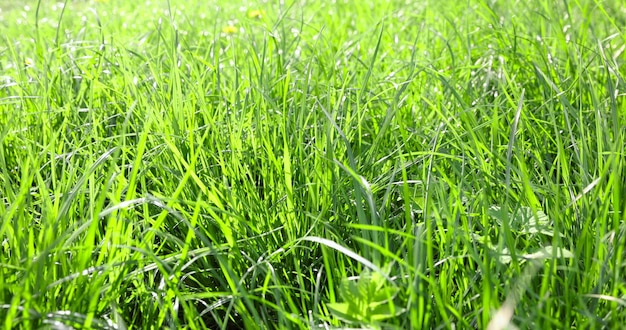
{"x": 230, "y": 29}
{"x": 259, "y": 13}
{"x": 29, "y": 63}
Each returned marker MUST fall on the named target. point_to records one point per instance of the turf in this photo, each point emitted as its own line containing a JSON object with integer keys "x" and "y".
{"x": 374, "y": 164}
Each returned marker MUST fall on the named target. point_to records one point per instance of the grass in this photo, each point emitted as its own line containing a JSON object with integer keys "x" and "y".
{"x": 373, "y": 164}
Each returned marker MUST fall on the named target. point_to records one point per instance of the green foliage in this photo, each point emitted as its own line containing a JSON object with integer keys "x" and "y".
{"x": 366, "y": 300}
{"x": 312, "y": 164}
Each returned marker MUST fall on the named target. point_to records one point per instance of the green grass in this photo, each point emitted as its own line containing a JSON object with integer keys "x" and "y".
{"x": 376, "y": 164}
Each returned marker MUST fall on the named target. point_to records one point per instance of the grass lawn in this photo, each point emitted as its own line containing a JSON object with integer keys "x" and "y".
{"x": 376, "y": 164}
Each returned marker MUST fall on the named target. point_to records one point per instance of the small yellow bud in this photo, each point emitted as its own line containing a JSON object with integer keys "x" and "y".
{"x": 230, "y": 29}
{"x": 259, "y": 13}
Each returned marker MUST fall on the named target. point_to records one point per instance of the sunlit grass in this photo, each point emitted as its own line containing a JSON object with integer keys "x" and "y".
{"x": 312, "y": 165}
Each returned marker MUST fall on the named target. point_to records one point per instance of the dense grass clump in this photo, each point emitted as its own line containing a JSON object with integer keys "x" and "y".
{"x": 334, "y": 164}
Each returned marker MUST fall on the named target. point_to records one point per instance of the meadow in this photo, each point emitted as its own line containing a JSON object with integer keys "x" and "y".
{"x": 374, "y": 164}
